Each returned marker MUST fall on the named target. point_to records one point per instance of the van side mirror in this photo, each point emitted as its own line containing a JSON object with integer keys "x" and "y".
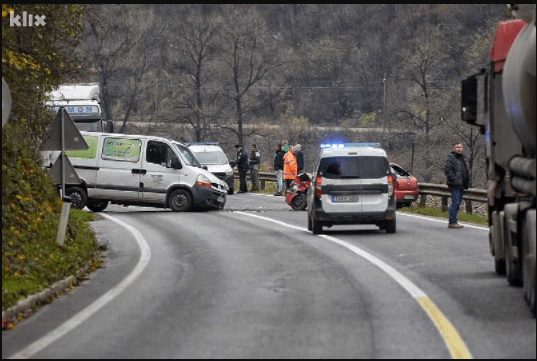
{"x": 469, "y": 99}
{"x": 204, "y": 167}
{"x": 176, "y": 163}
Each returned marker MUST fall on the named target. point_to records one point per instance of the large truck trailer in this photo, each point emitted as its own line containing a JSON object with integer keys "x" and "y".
{"x": 500, "y": 99}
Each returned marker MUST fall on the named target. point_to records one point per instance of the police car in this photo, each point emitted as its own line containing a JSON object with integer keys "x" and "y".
{"x": 352, "y": 184}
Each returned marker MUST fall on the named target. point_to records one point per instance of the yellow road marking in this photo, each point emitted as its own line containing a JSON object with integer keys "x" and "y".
{"x": 451, "y": 337}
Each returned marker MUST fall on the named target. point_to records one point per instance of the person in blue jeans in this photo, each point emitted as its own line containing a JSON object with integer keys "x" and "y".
{"x": 456, "y": 168}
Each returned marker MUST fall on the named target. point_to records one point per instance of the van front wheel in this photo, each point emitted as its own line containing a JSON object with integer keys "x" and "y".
{"x": 180, "y": 200}
{"x": 78, "y": 197}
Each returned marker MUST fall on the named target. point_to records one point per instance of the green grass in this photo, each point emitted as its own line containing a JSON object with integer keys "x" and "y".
{"x": 31, "y": 265}
{"x": 463, "y": 217}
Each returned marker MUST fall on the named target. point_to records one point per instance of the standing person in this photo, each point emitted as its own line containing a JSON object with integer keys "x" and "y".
{"x": 253, "y": 163}
{"x": 242, "y": 167}
{"x": 285, "y": 146}
{"x": 289, "y": 168}
{"x": 456, "y": 171}
{"x": 299, "y": 158}
{"x": 278, "y": 169}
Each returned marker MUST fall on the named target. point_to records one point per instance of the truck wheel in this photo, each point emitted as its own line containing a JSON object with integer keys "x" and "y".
{"x": 97, "y": 206}
{"x": 532, "y": 295}
{"x": 78, "y": 197}
{"x": 499, "y": 266}
{"x": 390, "y": 226}
{"x": 180, "y": 201}
{"x": 512, "y": 268}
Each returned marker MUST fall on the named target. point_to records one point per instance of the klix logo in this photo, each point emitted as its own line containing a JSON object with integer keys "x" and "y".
{"x": 27, "y": 20}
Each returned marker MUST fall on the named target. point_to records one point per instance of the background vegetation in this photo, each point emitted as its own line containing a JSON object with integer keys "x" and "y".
{"x": 306, "y": 73}
{"x": 34, "y": 60}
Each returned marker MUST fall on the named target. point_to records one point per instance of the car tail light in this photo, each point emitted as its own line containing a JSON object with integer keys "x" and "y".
{"x": 390, "y": 185}
{"x": 318, "y": 182}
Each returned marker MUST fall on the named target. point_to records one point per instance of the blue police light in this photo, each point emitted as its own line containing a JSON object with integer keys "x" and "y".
{"x": 347, "y": 145}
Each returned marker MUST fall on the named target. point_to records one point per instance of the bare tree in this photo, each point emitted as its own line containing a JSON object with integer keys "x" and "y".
{"x": 118, "y": 45}
{"x": 247, "y": 59}
{"x": 197, "y": 94}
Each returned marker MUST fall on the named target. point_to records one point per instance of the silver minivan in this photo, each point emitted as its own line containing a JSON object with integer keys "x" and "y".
{"x": 141, "y": 170}
{"x": 352, "y": 184}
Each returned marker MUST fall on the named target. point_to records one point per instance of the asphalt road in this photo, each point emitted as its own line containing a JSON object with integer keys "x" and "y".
{"x": 251, "y": 282}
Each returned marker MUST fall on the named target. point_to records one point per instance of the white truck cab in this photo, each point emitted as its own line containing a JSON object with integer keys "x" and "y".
{"x": 352, "y": 184}
{"x": 141, "y": 170}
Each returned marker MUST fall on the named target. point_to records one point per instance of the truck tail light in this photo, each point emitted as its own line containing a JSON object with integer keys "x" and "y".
{"x": 318, "y": 182}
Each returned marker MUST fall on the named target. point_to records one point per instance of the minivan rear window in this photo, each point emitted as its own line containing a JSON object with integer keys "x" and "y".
{"x": 354, "y": 167}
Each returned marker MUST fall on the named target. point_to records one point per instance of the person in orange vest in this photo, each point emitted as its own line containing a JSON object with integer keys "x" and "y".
{"x": 289, "y": 168}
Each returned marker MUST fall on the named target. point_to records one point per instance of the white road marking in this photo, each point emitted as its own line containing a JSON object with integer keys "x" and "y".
{"x": 440, "y": 220}
{"x": 80, "y": 317}
{"x": 449, "y": 334}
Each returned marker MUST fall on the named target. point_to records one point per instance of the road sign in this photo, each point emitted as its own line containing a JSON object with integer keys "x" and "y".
{"x": 70, "y": 174}
{"x": 73, "y": 139}
{"x": 6, "y": 102}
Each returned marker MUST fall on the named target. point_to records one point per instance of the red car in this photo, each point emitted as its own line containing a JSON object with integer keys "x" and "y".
{"x": 405, "y": 186}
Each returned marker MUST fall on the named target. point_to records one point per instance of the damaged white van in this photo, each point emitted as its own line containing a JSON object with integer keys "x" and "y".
{"x": 141, "y": 170}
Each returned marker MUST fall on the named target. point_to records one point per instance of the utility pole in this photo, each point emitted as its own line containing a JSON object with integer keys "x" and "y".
{"x": 384, "y": 103}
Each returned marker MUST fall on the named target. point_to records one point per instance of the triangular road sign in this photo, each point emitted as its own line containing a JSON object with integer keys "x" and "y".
{"x": 73, "y": 138}
{"x": 70, "y": 173}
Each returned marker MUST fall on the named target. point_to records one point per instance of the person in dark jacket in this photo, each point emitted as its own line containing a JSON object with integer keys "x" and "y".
{"x": 278, "y": 169}
{"x": 242, "y": 167}
{"x": 255, "y": 159}
{"x": 456, "y": 168}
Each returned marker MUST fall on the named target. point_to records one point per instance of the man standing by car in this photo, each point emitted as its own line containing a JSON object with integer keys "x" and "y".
{"x": 456, "y": 171}
{"x": 289, "y": 167}
{"x": 278, "y": 169}
{"x": 242, "y": 167}
{"x": 253, "y": 163}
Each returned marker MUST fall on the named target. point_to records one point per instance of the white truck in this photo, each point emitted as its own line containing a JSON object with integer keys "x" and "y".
{"x": 501, "y": 101}
{"x": 82, "y": 102}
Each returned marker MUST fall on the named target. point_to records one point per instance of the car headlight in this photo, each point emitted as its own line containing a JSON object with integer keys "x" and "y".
{"x": 203, "y": 181}
{"x": 229, "y": 171}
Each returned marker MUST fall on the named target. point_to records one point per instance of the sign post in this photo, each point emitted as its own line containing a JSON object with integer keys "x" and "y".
{"x": 63, "y": 136}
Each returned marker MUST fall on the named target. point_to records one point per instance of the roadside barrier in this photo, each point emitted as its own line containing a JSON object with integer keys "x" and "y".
{"x": 425, "y": 189}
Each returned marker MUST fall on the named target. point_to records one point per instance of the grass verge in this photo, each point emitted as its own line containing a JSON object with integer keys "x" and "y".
{"x": 463, "y": 217}
{"x": 33, "y": 264}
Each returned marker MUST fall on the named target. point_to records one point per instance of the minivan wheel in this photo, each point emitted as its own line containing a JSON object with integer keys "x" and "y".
{"x": 390, "y": 226}
{"x": 180, "y": 201}
{"x": 78, "y": 197}
{"x": 97, "y": 206}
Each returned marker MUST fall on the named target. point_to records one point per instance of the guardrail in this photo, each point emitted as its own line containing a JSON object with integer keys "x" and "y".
{"x": 425, "y": 189}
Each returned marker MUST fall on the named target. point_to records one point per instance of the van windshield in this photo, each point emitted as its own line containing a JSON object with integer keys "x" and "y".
{"x": 354, "y": 167}
{"x": 208, "y": 158}
{"x": 187, "y": 155}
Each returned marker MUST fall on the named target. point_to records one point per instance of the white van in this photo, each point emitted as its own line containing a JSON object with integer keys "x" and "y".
{"x": 213, "y": 157}
{"x": 352, "y": 184}
{"x": 141, "y": 170}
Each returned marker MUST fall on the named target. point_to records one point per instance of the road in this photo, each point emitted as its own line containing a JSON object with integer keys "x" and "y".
{"x": 251, "y": 282}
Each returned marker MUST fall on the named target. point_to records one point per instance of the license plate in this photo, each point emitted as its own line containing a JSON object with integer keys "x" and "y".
{"x": 410, "y": 196}
{"x": 342, "y": 199}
